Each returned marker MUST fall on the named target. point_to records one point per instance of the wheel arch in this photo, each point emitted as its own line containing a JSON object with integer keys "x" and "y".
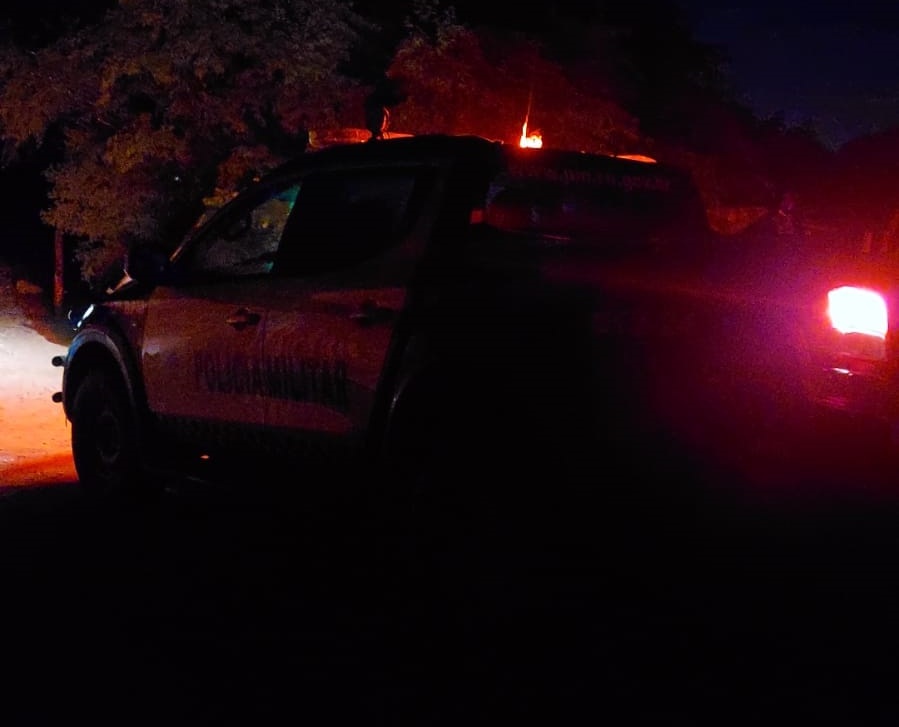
{"x": 94, "y": 348}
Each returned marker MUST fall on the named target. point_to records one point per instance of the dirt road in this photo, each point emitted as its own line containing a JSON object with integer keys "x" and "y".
{"x": 34, "y": 435}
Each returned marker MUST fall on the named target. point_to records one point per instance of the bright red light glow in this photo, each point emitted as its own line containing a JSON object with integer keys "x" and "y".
{"x": 532, "y": 141}
{"x": 857, "y": 310}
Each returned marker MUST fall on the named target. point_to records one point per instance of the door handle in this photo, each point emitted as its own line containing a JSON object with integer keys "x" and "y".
{"x": 242, "y": 317}
{"x": 370, "y": 313}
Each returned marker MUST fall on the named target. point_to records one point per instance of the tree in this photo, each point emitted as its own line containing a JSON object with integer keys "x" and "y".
{"x": 641, "y": 54}
{"x": 166, "y": 106}
{"x": 462, "y": 81}
{"x": 862, "y": 193}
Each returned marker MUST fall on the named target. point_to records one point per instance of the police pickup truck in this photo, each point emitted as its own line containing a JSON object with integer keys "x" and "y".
{"x": 438, "y": 301}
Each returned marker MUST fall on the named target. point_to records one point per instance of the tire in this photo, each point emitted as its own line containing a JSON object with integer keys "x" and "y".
{"x": 104, "y": 438}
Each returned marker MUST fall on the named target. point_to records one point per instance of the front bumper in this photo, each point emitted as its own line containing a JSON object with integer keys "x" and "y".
{"x": 862, "y": 388}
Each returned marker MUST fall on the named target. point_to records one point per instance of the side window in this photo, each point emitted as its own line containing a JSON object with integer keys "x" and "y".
{"x": 344, "y": 218}
{"x": 244, "y": 240}
{"x": 608, "y": 211}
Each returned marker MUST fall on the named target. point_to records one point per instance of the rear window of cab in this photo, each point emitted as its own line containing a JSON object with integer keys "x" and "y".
{"x": 579, "y": 197}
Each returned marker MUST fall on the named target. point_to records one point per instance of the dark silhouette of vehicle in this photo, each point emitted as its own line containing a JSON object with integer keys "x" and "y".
{"x": 440, "y": 304}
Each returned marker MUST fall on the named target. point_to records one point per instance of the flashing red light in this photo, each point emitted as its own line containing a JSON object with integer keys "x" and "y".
{"x": 530, "y": 141}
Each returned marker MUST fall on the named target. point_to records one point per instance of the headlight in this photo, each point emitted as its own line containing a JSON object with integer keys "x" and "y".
{"x": 860, "y": 318}
{"x": 857, "y": 310}
{"x": 77, "y": 318}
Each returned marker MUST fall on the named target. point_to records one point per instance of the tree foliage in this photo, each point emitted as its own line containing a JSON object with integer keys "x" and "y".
{"x": 165, "y": 107}
{"x": 641, "y": 54}
{"x": 458, "y": 80}
{"x": 166, "y": 104}
{"x": 862, "y": 191}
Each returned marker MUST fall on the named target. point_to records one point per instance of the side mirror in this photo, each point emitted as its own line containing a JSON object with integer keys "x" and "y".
{"x": 147, "y": 263}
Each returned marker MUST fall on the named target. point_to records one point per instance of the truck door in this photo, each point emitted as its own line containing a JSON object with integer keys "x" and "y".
{"x": 202, "y": 352}
{"x": 346, "y": 260}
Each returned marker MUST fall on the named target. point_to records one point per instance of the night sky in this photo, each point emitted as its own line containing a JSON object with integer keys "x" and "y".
{"x": 834, "y": 63}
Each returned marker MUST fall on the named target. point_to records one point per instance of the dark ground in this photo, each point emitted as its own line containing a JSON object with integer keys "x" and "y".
{"x": 225, "y": 610}
{"x": 654, "y": 602}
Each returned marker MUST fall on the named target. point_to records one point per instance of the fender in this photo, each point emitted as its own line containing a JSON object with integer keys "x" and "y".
{"x": 103, "y": 337}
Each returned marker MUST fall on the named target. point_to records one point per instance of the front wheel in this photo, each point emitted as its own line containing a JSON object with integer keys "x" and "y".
{"x": 104, "y": 437}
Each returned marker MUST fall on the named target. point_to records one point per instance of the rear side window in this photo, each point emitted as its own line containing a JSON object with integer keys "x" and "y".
{"x": 598, "y": 200}
{"x": 344, "y": 218}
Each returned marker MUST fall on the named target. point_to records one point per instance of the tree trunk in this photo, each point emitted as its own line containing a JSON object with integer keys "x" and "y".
{"x": 58, "y": 268}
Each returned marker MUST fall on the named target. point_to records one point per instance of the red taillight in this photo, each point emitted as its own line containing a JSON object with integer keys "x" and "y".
{"x": 858, "y": 310}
